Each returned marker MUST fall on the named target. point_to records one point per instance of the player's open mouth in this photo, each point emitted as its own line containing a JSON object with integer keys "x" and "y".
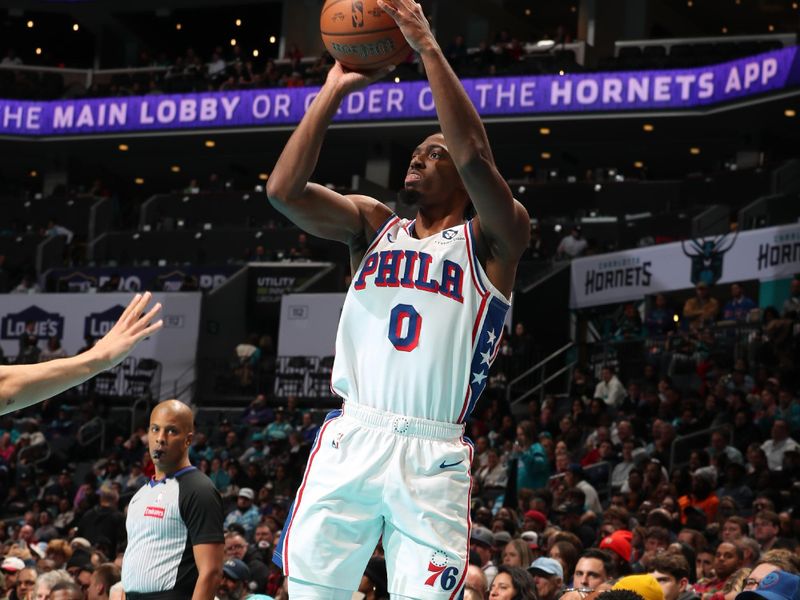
{"x": 413, "y": 177}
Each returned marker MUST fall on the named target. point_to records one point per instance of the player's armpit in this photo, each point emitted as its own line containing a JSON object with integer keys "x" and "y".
{"x": 328, "y": 214}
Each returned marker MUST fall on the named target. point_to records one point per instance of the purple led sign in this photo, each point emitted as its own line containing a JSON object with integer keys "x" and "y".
{"x": 574, "y": 93}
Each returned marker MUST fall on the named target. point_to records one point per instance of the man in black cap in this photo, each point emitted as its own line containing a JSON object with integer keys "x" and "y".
{"x": 235, "y": 580}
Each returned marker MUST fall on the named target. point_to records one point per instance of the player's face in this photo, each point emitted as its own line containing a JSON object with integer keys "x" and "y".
{"x": 431, "y": 174}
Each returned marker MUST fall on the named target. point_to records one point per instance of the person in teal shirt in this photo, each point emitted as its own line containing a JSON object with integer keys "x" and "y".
{"x": 533, "y": 468}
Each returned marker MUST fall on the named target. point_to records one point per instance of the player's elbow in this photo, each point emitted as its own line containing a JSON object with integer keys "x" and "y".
{"x": 277, "y": 192}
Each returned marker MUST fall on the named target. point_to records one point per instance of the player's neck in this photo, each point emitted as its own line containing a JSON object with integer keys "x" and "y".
{"x": 428, "y": 222}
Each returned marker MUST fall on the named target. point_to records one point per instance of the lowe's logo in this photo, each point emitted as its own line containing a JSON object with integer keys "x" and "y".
{"x": 96, "y": 325}
{"x": 42, "y": 324}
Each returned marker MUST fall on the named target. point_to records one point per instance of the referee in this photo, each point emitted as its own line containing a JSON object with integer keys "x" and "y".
{"x": 174, "y": 524}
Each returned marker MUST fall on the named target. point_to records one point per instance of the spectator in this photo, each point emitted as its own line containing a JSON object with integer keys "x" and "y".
{"x": 533, "y": 468}
{"x": 256, "y": 452}
{"x": 738, "y": 308}
{"x": 47, "y": 581}
{"x": 548, "y": 576}
{"x": 246, "y": 514}
{"x": 778, "y": 444}
{"x": 660, "y": 321}
{"x": 766, "y": 527}
{"x": 791, "y": 306}
{"x": 481, "y": 542}
{"x": 25, "y": 586}
{"x": 54, "y": 230}
{"x": 104, "y": 520}
{"x": 629, "y": 326}
{"x": 572, "y": 245}
{"x": 610, "y": 388}
{"x": 238, "y": 548}
{"x": 594, "y": 568}
{"x": 701, "y": 497}
{"x": 102, "y": 580}
{"x": 279, "y": 429}
{"x": 512, "y": 583}
{"x": 53, "y": 350}
{"x": 727, "y": 560}
{"x": 702, "y": 309}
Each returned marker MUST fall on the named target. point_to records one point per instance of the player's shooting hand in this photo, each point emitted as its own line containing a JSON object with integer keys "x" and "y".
{"x": 412, "y": 22}
{"x": 133, "y": 326}
{"x": 350, "y": 81}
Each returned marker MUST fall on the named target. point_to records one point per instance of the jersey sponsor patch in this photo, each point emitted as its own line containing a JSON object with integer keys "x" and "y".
{"x": 155, "y": 511}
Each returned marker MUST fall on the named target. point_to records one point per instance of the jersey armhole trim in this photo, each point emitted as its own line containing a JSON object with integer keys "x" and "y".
{"x": 381, "y": 232}
{"x": 482, "y": 282}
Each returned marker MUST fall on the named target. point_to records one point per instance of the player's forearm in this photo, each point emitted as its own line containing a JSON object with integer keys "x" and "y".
{"x": 460, "y": 122}
{"x": 207, "y": 584}
{"x": 299, "y": 158}
{"x": 24, "y": 385}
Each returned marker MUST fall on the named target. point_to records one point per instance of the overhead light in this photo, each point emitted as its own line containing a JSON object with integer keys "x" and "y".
{"x": 75, "y": 27}
{"x": 794, "y": 5}
{"x": 527, "y": 169}
{"x": 675, "y": 318}
{"x": 30, "y": 24}
{"x": 138, "y": 181}
{"x": 210, "y": 143}
{"x": 561, "y": 71}
{"x": 573, "y": 8}
{"x": 521, "y": 189}
{"x": 724, "y": 30}
{"x": 689, "y": 3}
{"x": 178, "y": 26}
{"x": 397, "y": 80}
{"x": 233, "y": 41}
{"x": 545, "y": 155}
{"x": 638, "y": 164}
{"x": 33, "y": 173}
{"x": 545, "y": 44}
{"x": 123, "y": 147}
{"x": 527, "y": 12}
{"x": 694, "y": 150}
{"x": 544, "y": 130}
{"x": 263, "y": 176}
{"x": 789, "y": 112}
{"x": 38, "y": 51}
{"x": 648, "y": 127}
{"x": 557, "y": 227}
{"x": 255, "y": 53}
{"x": 238, "y": 22}
{"x": 175, "y": 169}
{"x": 771, "y": 28}
{"x": 272, "y": 39}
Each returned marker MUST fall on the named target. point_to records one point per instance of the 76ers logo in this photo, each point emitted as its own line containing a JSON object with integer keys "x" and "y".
{"x": 439, "y": 569}
{"x": 358, "y": 13}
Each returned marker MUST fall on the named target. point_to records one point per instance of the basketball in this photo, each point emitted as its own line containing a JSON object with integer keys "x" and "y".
{"x": 360, "y": 35}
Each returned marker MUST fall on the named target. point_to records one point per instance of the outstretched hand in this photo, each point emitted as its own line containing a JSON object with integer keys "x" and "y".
{"x": 412, "y": 22}
{"x": 131, "y": 327}
{"x": 350, "y": 81}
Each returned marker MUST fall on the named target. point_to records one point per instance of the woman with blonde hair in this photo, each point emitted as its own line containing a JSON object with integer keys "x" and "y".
{"x": 516, "y": 554}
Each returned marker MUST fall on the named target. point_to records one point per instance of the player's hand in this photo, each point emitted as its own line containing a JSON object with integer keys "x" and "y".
{"x": 349, "y": 81}
{"x": 412, "y": 22}
{"x": 132, "y": 327}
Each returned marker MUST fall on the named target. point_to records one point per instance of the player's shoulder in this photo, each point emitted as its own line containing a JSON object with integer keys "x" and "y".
{"x": 374, "y": 213}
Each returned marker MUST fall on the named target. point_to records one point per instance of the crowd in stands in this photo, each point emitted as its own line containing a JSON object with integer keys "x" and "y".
{"x": 587, "y": 486}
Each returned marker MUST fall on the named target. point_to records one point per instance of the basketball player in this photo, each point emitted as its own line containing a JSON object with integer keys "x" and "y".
{"x": 23, "y": 385}
{"x": 419, "y": 330}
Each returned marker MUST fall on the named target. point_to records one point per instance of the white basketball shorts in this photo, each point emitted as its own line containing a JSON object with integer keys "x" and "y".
{"x": 371, "y": 474}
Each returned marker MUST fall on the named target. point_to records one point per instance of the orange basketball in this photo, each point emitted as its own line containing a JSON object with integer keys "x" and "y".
{"x": 360, "y": 35}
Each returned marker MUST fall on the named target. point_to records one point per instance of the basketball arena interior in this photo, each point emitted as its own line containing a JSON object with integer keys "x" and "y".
{"x": 645, "y": 396}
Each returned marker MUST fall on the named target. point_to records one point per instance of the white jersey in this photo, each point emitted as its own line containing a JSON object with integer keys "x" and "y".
{"x": 420, "y": 326}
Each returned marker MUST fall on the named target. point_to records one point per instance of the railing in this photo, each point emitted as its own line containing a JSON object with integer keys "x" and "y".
{"x": 91, "y": 431}
{"x": 684, "y": 442}
{"x": 787, "y": 39}
{"x": 541, "y": 369}
{"x": 33, "y": 455}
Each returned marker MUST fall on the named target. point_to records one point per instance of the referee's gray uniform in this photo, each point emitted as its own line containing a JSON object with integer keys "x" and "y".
{"x": 165, "y": 519}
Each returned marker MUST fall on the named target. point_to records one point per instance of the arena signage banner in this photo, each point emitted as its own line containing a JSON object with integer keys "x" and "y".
{"x": 134, "y": 279}
{"x": 630, "y": 275}
{"x": 309, "y": 323}
{"x": 674, "y": 89}
{"x": 73, "y": 317}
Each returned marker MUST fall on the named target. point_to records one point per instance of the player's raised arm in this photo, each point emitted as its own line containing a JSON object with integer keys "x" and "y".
{"x": 503, "y": 221}
{"x": 312, "y": 207}
{"x": 23, "y": 385}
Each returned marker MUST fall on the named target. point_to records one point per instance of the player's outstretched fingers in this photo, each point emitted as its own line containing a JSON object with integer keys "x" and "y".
{"x": 146, "y": 320}
{"x": 129, "y": 308}
{"x": 138, "y": 309}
